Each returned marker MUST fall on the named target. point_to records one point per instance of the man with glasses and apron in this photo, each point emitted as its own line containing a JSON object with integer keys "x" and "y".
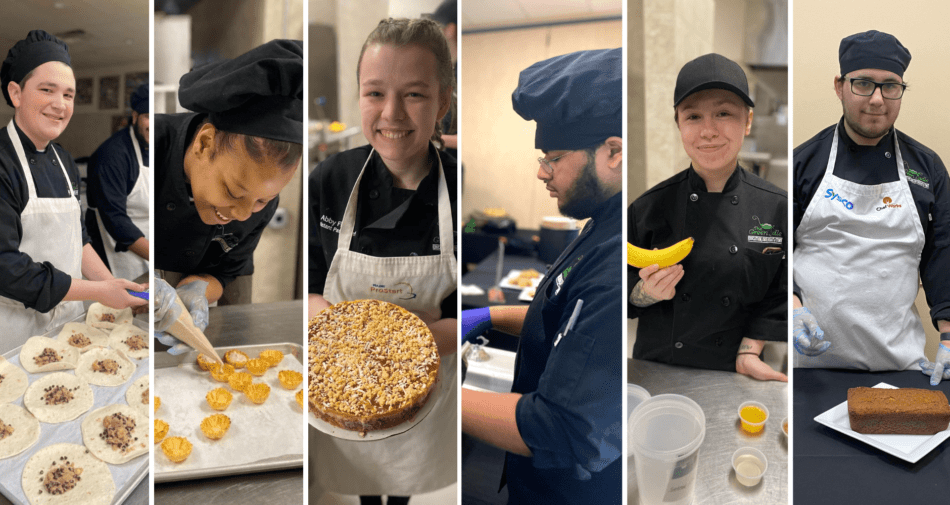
{"x": 117, "y": 189}
{"x": 44, "y": 251}
{"x": 871, "y": 215}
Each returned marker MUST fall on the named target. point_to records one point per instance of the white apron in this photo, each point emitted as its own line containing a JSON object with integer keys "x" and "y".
{"x": 424, "y": 458}
{"x": 51, "y": 232}
{"x": 856, "y": 260}
{"x": 127, "y": 264}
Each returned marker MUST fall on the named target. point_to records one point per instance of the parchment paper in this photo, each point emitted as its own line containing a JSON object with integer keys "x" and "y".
{"x": 11, "y": 469}
{"x": 258, "y": 432}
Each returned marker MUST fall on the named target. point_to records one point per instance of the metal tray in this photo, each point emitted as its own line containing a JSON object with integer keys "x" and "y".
{"x": 165, "y": 360}
{"x": 123, "y": 490}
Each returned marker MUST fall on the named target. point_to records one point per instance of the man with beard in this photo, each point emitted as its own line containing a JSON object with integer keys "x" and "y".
{"x": 118, "y": 194}
{"x": 561, "y": 423}
{"x": 716, "y": 307}
{"x": 871, "y": 213}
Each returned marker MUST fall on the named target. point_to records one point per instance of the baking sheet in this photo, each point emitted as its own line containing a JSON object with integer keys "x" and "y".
{"x": 441, "y": 386}
{"x": 261, "y": 437}
{"x": 910, "y": 448}
{"x": 512, "y": 275}
{"x": 126, "y": 476}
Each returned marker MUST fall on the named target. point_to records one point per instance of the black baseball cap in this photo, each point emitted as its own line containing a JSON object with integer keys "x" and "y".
{"x": 711, "y": 71}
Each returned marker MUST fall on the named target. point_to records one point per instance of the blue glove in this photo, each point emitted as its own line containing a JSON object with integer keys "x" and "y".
{"x": 940, "y": 368}
{"x": 808, "y": 336}
{"x": 475, "y": 322}
{"x": 166, "y": 311}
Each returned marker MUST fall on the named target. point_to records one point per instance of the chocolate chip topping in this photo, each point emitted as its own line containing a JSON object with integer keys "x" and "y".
{"x": 79, "y": 340}
{"x": 106, "y": 366}
{"x": 46, "y": 357}
{"x": 136, "y": 343}
{"x": 57, "y": 395}
{"x": 61, "y": 478}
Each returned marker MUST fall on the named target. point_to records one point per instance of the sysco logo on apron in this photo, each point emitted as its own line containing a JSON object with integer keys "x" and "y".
{"x": 836, "y": 197}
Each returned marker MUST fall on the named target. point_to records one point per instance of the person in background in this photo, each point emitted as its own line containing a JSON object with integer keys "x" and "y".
{"x": 219, "y": 171}
{"x": 47, "y": 265}
{"x": 717, "y": 307}
{"x": 561, "y": 423}
{"x": 117, "y": 190}
{"x": 872, "y": 212}
{"x": 447, "y": 16}
{"x": 390, "y": 207}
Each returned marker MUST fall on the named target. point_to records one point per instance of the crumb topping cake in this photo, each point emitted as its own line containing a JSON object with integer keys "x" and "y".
{"x": 373, "y": 365}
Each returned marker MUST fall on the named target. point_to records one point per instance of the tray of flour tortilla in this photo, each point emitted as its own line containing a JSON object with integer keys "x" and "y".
{"x": 126, "y": 477}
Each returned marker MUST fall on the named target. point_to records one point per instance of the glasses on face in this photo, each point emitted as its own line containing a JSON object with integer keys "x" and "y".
{"x": 546, "y": 164}
{"x": 889, "y": 90}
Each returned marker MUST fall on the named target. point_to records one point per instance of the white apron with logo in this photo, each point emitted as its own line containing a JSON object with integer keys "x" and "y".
{"x": 127, "y": 264}
{"x": 424, "y": 458}
{"x": 51, "y": 232}
{"x": 857, "y": 256}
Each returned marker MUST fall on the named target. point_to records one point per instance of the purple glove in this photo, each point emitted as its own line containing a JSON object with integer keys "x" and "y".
{"x": 475, "y": 322}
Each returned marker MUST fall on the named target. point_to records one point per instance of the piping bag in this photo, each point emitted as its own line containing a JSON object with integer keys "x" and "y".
{"x": 184, "y": 329}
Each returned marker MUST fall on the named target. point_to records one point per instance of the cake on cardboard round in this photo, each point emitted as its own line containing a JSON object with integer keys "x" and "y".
{"x": 373, "y": 365}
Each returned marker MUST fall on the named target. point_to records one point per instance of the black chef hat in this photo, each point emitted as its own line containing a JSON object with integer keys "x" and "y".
{"x": 139, "y": 100}
{"x": 873, "y": 49}
{"x": 36, "y": 49}
{"x": 259, "y": 93}
{"x": 576, "y": 99}
{"x": 711, "y": 71}
{"x": 446, "y": 13}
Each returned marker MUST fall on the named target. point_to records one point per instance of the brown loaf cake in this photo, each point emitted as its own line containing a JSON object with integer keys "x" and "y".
{"x": 373, "y": 365}
{"x": 907, "y": 411}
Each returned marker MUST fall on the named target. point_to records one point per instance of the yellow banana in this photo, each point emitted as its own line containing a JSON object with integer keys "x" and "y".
{"x": 642, "y": 258}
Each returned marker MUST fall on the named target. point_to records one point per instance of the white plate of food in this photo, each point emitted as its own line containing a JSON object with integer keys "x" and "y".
{"x": 520, "y": 279}
{"x": 527, "y": 294}
{"x": 910, "y": 448}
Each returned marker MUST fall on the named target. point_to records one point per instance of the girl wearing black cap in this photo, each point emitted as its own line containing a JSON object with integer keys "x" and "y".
{"x": 729, "y": 295}
{"x": 219, "y": 170}
{"x": 389, "y": 207}
{"x": 44, "y": 249}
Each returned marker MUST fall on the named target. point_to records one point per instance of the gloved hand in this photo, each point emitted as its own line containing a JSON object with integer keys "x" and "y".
{"x": 940, "y": 368}
{"x": 166, "y": 311}
{"x": 808, "y": 336}
{"x": 475, "y": 322}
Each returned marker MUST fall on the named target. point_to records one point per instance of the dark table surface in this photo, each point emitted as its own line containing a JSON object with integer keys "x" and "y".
{"x": 241, "y": 325}
{"x": 483, "y": 276}
{"x": 833, "y": 468}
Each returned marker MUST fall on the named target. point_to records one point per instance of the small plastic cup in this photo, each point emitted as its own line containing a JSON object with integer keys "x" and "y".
{"x": 750, "y": 465}
{"x": 752, "y": 421}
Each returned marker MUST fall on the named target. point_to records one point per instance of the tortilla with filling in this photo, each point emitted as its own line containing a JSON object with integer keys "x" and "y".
{"x": 13, "y": 381}
{"x": 43, "y": 390}
{"x": 35, "y": 347}
{"x": 133, "y": 395}
{"x": 107, "y": 318}
{"x": 95, "y": 336}
{"x": 125, "y": 445}
{"x": 103, "y": 357}
{"x": 21, "y": 428}
{"x": 95, "y": 487}
{"x": 125, "y": 334}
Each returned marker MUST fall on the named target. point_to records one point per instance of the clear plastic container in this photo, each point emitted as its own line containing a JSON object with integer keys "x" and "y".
{"x": 750, "y": 465}
{"x": 753, "y": 416}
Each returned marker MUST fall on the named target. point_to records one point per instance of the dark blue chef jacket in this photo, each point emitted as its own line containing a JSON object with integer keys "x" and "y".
{"x": 569, "y": 414}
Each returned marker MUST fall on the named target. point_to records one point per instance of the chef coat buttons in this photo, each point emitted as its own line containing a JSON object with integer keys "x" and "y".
{"x": 887, "y": 155}
{"x": 726, "y": 301}
{"x": 54, "y": 161}
{"x": 719, "y": 341}
{"x": 373, "y": 194}
{"x": 693, "y": 197}
{"x": 735, "y": 199}
{"x": 32, "y": 161}
{"x": 733, "y": 249}
{"x": 678, "y": 345}
{"x": 189, "y": 253}
{"x": 684, "y": 297}
{"x": 170, "y": 206}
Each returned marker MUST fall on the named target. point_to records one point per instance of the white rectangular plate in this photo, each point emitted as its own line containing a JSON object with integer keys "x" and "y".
{"x": 512, "y": 275}
{"x": 906, "y": 447}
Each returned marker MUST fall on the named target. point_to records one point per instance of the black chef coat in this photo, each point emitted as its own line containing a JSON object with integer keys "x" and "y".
{"x": 569, "y": 413}
{"x": 111, "y": 176}
{"x": 39, "y": 286}
{"x": 730, "y": 289}
{"x": 873, "y": 165}
{"x": 183, "y": 243}
{"x": 390, "y": 222}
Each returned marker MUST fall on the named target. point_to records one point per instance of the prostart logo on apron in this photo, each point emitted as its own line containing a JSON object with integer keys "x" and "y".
{"x": 401, "y": 290}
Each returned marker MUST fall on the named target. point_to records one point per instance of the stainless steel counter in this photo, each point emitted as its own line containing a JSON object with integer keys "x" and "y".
{"x": 241, "y": 325}
{"x": 720, "y": 394}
